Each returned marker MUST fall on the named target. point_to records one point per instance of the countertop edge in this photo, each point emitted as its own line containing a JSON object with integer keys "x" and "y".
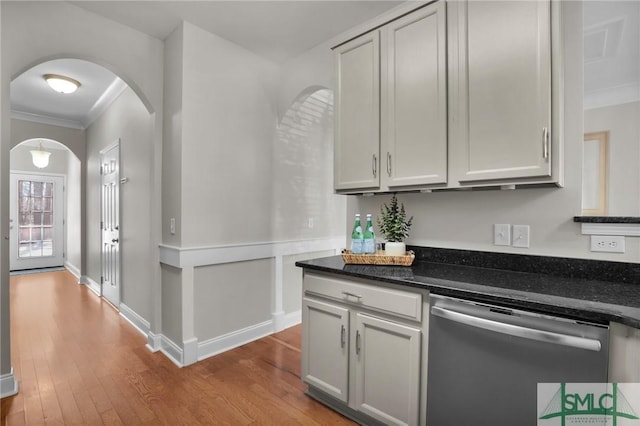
{"x": 577, "y": 308}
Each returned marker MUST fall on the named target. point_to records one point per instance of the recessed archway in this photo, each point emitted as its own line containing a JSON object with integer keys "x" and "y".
{"x": 63, "y": 163}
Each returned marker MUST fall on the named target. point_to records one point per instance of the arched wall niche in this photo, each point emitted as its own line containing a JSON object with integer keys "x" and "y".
{"x": 304, "y": 203}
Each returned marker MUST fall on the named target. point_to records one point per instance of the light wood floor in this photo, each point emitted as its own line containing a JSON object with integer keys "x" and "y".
{"x": 79, "y": 362}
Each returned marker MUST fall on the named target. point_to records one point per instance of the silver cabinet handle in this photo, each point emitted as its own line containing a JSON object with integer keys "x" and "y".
{"x": 346, "y": 293}
{"x": 518, "y": 331}
{"x": 374, "y": 165}
{"x": 343, "y": 331}
{"x": 357, "y": 341}
{"x": 545, "y": 143}
{"x": 389, "y": 164}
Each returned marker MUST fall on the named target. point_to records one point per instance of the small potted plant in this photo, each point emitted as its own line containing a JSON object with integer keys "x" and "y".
{"x": 393, "y": 224}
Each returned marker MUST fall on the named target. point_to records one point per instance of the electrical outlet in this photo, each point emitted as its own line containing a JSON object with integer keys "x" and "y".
{"x": 612, "y": 244}
{"x": 310, "y": 222}
{"x": 172, "y": 225}
{"x": 502, "y": 234}
{"x": 521, "y": 236}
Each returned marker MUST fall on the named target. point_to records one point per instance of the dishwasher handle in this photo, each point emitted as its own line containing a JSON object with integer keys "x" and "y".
{"x": 518, "y": 331}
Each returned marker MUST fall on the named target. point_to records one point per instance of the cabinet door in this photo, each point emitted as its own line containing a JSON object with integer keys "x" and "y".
{"x": 325, "y": 347}
{"x": 387, "y": 370}
{"x": 414, "y": 98}
{"x": 357, "y": 122}
{"x": 502, "y": 81}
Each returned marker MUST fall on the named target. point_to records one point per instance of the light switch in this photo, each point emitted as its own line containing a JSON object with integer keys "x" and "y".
{"x": 502, "y": 234}
{"x": 521, "y": 236}
{"x": 172, "y": 225}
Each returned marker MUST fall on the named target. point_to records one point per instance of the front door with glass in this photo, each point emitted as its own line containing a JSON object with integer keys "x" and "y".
{"x": 37, "y": 221}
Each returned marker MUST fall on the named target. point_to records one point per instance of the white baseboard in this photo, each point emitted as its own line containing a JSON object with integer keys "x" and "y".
{"x": 139, "y": 323}
{"x": 73, "y": 269}
{"x": 282, "y": 321}
{"x": 171, "y": 350}
{"x": 228, "y": 341}
{"x": 93, "y": 286}
{"x": 190, "y": 351}
{"x": 8, "y": 385}
{"x": 154, "y": 342}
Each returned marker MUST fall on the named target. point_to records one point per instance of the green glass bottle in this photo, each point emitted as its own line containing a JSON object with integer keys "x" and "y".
{"x": 357, "y": 238}
{"x": 369, "y": 237}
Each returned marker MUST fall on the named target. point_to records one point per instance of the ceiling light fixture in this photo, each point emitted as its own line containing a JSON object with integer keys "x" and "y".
{"x": 40, "y": 157}
{"x": 62, "y": 84}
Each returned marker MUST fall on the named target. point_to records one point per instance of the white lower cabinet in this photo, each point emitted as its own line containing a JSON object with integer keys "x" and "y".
{"x": 369, "y": 363}
{"x": 387, "y": 367}
{"x": 325, "y": 364}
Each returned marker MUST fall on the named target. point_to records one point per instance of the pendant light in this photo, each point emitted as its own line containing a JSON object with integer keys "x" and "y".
{"x": 40, "y": 157}
{"x": 62, "y": 84}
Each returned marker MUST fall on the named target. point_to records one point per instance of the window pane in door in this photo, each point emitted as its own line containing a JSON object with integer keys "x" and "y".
{"x": 24, "y": 249}
{"x": 48, "y": 189}
{"x": 35, "y": 216}
{"x": 47, "y": 248}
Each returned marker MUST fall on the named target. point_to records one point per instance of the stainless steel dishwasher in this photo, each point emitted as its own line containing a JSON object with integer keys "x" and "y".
{"x": 485, "y": 361}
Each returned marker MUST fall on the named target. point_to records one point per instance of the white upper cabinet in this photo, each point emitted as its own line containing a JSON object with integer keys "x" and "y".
{"x": 357, "y": 122}
{"x": 391, "y": 108}
{"x": 500, "y": 90}
{"x": 449, "y": 95}
{"x": 414, "y": 99}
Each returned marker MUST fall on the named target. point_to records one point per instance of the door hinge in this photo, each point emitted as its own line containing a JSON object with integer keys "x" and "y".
{"x": 101, "y": 280}
{"x": 101, "y": 170}
{"x": 101, "y": 225}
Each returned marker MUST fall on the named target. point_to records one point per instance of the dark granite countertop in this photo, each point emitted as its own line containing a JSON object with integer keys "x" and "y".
{"x": 591, "y": 299}
{"x": 606, "y": 219}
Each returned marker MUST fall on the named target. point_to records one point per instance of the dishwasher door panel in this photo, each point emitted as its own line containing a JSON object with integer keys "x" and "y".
{"x": 479, "y": 376}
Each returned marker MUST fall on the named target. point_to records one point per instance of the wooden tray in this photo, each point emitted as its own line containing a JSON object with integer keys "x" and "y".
{"x": 380, "y": 258}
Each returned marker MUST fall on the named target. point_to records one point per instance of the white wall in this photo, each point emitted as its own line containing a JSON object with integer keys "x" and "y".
{"x": 74, "y": 213}
{"x": 304, "y": 206}
{"x": 128, "y": 121}
{"x": 172, "y": 135}
{"x": 623, "y": 123}
{"x": 304, "y": 74}
{"x": 229, "y": 262}
{"x": 228, "y": 120}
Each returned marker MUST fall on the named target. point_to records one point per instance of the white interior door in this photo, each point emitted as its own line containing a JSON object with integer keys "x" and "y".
{"x": 36, "y": 221}
{"x": 110, "y": 223}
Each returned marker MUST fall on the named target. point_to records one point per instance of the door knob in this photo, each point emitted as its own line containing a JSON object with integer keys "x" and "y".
{"x": 115, "y": 240}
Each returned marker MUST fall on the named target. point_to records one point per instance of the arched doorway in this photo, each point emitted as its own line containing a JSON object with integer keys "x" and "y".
{"x": 45, "y": 212}
{"x": 106, "y": 111}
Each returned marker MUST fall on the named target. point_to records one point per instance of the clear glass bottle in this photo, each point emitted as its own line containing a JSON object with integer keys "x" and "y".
{"x": 369, "y": 237}
{"x": 357, "y": 238}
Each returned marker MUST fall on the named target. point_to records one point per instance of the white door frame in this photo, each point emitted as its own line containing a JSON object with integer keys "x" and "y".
{"x": 110, "y": 253}
{"x": 59, "y": 222}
